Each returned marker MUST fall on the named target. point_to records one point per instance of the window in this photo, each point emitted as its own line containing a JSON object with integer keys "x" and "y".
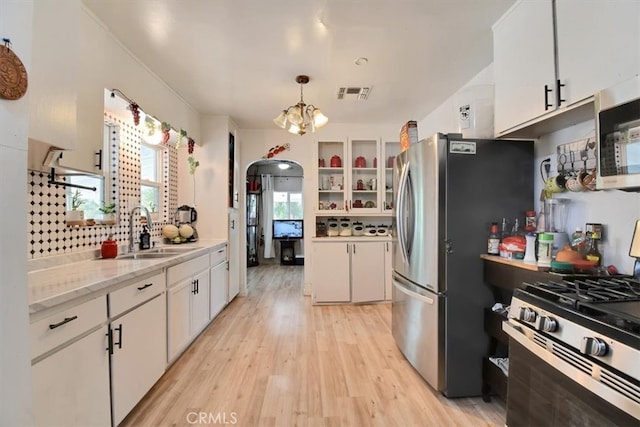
{"x": 89, "y": 201}
{"x": 287, "y": 205}
{"x": 150, "y": 178}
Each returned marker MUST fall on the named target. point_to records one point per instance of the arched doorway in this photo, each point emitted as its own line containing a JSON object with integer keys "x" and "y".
{"x": 274, "y": 190}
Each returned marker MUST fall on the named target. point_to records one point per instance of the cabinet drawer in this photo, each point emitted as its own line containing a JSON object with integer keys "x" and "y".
{"x": 217, "y": 256}
{"x": 136, "y": 293}
{"x": 187, "y": 269}
{"x": 52, "y": 331}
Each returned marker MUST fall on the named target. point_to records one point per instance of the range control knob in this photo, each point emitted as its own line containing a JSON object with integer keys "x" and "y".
{"x": 593, "y": 346}
{"x": 546, "y": 324}
{"x": 527, "y": 315}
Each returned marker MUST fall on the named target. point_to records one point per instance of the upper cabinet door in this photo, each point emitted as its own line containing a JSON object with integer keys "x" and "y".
{"x": 363, "y": 194}
{"x": 89, "y": 153}
{"x": 332, "y": 177}
{"x": 598, "y": 45}
{"x": 524, "y": 64}
{"x": 53, "y": 72}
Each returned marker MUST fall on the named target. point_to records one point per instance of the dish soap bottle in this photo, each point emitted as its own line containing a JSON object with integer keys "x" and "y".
{"x": 145, "y": 238}
{"x": 109, "y": 248}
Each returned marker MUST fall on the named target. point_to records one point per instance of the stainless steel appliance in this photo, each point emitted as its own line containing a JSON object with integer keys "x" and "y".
{"x": 618, "y": 134}
{"x": 447, "y": 191}
{"x": 574, "y": 353}
{"x": 187, "y": 215}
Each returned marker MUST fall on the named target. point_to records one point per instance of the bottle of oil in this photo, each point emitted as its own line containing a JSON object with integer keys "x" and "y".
{"x": 593, "y": 254}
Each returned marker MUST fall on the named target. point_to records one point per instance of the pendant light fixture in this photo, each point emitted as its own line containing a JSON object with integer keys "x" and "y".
{"x": 300, "y": 117}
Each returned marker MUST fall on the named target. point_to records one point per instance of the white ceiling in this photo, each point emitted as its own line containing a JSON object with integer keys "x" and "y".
{"x": 240, "y": 57}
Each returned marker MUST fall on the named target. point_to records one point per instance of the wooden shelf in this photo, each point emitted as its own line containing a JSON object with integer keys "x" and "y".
{"x": 513, "y": 262}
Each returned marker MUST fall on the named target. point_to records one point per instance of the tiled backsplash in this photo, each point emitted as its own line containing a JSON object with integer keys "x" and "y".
{"x": 47, "y": 234}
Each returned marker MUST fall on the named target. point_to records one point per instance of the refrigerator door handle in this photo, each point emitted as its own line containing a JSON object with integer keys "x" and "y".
{"x": 401, "y": 285}
{"x": 400, "y": 211}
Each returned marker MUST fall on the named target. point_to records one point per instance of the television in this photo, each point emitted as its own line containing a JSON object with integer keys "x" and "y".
{"x": 284, "y": 229}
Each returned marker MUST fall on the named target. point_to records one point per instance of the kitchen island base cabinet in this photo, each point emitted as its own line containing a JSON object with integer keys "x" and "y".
{"x": 71, "y": 387}
{"x": 139, "y": 361}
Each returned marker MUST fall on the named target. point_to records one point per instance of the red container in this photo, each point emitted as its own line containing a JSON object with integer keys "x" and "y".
{"x": 109, "y": 248}
{"x": 336, "y": 162}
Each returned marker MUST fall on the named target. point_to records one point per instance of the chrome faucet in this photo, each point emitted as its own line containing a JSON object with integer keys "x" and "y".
{"x": 149, "y": 225}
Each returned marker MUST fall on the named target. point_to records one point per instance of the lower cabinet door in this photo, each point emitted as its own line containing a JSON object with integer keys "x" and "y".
{"x": 178, "y": 317}
{"x": 200, "y": 303}
{"x": 138, "y": 358}
{"x": 367, "y": 271}
{"x": 218, "y": 291}
{"x": 331, "y": 272}
{"x": 71, "y": 387}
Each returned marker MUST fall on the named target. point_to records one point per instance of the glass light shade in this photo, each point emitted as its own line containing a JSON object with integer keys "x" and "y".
{"x": 281, "y": 120}
{"x": 283, "y": 166}
{"x": 294, "y": 115}
{"x": 294, "y": 128}
{"x": 319, "y": 119}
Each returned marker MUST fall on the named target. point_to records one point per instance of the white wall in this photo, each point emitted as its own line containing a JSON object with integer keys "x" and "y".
{"x": 15, "y": 366}
{"x": 617, "y": 210}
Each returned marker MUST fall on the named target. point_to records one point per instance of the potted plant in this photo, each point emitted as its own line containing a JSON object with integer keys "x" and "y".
{"x": 75, "y": 217}
{"x": 108, "y": 214}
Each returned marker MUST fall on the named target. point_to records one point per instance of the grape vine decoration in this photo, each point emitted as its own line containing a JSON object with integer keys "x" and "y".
{"x": 165, "y": 128}
{"x": 135, "y": 111}
{"x": 276, "y": 150}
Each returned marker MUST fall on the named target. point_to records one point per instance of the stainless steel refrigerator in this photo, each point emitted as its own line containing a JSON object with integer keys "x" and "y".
{"x": 447, "y": 192}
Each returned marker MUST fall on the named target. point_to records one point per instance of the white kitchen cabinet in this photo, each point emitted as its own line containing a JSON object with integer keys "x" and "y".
{"x": 388, "y": 270}
{"x": 362, "y": 184}
{"x": 331, "y": 268}
{"x": 200, "y": 303}
{"x": 348, "y": 271}
{"x": 524, "y": 64}
{"x": 219, "y": 282}
{"x": 390, "y": 149}
{"x": 53, "y": 72}
{"x": 187, "y": 303}
{"x": 367, "y": 271}
{"x": 138, "y": 341}
{"x": 597, "y": 45}
{"x": 89, "y": 153}
{"x": 70, "y": 371}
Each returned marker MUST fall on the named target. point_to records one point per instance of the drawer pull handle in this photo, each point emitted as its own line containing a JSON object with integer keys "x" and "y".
{"x": 119, "y": 343}
{"x": 66, "y": 320}
{"x": 145, "y": 286}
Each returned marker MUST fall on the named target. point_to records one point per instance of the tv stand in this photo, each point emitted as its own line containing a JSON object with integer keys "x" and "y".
{"x": 287, "y": 252}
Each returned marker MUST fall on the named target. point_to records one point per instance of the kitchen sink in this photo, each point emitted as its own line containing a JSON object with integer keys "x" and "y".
{"x": 147, "y": 255}
{"x": 172, "y": 249}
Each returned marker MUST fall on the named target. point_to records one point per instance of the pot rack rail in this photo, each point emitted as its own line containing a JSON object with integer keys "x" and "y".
{"x": 131, "y": 101}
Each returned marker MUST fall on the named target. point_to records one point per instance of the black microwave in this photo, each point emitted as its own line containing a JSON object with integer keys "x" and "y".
{"x": 618, "y": 135}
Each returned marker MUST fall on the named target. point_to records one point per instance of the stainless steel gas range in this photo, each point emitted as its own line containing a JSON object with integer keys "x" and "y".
{"x": 574, "y": 353}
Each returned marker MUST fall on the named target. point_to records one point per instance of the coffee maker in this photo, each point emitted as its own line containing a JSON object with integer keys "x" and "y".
{"x": 556, "y": 212}
{"x": 187, "y": 215}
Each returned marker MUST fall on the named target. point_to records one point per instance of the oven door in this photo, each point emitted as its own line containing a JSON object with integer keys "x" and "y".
{"x": 544, "y": 390}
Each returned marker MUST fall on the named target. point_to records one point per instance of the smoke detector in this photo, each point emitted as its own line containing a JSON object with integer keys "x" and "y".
{"x": 354, "y": 93}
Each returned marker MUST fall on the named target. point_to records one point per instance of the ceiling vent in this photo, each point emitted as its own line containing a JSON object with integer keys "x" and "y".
{"x": 354, "y": 93}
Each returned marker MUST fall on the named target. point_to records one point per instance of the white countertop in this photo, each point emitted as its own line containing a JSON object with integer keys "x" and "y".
{"x": 86, "y": 277}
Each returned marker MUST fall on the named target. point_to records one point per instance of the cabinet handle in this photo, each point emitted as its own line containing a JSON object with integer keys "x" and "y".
{"x": 109, "y": 335}
{"x": 145, "y": 286}
{"x": 119, "y": 343}
{"x": 233, "y": 224}
{"x": 559, "y": 99}
{"x": 546, "y": 98}
{"x": 193, "y": 287}
{"x": 66, "y": 320}
{"x": 354, "y": 248}
{"x": 98, "y": 164}
{"x": 197, "y": 286}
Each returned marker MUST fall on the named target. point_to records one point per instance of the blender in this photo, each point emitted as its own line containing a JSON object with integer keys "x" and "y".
{"x": 556, "y": 213}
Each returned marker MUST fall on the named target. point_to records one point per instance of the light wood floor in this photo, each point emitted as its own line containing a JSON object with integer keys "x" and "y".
{"x": 273, "y": 359}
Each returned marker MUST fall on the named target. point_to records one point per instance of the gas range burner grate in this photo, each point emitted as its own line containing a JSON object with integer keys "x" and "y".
{"x": 593, "y": 291}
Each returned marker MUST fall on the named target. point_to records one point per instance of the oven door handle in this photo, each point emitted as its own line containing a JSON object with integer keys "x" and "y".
{"x": 511, "y": 329}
